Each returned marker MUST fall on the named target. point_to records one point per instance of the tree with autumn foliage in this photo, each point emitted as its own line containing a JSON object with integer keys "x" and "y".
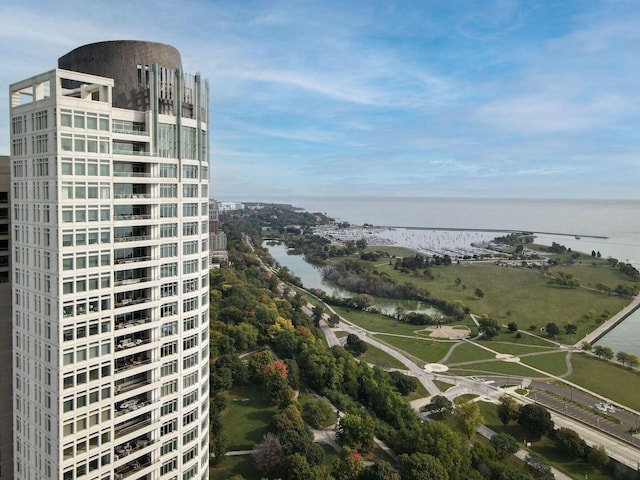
{"x": 274, "y": 376}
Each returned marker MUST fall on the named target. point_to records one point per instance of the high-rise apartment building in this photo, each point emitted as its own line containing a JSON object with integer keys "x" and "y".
{"x": 109, "y": 173}
{"x": 6, "y": 380}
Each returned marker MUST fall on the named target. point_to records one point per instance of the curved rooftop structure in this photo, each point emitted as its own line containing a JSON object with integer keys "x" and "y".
{"x": 128, "y": 63}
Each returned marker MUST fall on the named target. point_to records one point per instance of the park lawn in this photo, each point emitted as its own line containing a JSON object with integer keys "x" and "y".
{"x": 552, "y": 363}
{"x": 516, "y": 348}
{"x": 597, "y": 375}
{"x": 524, "y": 293}
{"x": 391, "y": 251}
{"x": 443, "y": 386}
{"x": 497, "y": 367}
{"x": 341, "y": 333}
{"x": 375, "y": 322}
{"x": 420, "y": 392}
{"x": 381, "y": 358}
{"x": 236, "y": 465}
{"x": 590, "y": 275}
{"x": 526, "y": 338}
{"x": 427, "y": 351}
{"x": 246, "y": 417}
{"x": 468, "y": 352}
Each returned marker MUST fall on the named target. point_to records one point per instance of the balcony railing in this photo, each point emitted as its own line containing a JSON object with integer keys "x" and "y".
{"x": 131, "y": 386}
{"x": 131, "y": 364}
{"x": 129, "y": 131}
{"x": 130, "y": 216}
{"x": 131, "y": 174}
{"x": 133, "y": 238}
{"x": 131, "y": 281}
{"x": 125, "y": 302}
{"x": 131, "y": 195}
{"x": 120, "y": 261}
{"x": 132, "y": 323}
{"x": 131, "y": 447}
{"x": 131, "y": 468}
{"x": 140, "y": 153}
{"x": 132, "y": 427}
{"x": 129, "y": 342}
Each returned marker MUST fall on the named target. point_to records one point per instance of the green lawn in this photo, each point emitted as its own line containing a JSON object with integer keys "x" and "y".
{"x": 468, "y": 352}
{"x": 608, "y": 379}
{"x": 246, "y": 417}
{"x": 516, "y": 348}
{"x": 443, "y": 386}
{"x": 378, "y": 357}
{"x": 376, "y": 322}
{"x": 553, "y": 363}
{"x": 427, "y": 351}
{"x": 524, "y": 293}
{"x": 240, "y": 465}
{"x": 498, "y": 367}
{"x": 391, "y": 251}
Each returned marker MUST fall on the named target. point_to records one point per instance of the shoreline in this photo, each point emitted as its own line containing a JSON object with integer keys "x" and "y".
{"x": 496, "y": 230}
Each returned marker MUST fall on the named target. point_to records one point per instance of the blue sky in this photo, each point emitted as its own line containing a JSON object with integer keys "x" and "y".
{"x": 466, "y": 98}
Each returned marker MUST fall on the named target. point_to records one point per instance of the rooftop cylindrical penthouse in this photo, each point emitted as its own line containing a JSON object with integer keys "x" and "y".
{"x": 129, "y": 63}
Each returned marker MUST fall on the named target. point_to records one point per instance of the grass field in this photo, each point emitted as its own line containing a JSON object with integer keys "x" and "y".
{"x": 467, "y": 352}
{"x": 378, "y": 357}
{"x": 246, "y": 417}
{"x": 517, "y": 348}
{"x": 524, "y": 293}
{"x": 240, "y": 465}
{"x": 597, "y": 375}
{"x": 553, "y": 363}
{"x": 376, "y": 322}
{"x": 498, "y": 367}
{"x": 428, "y": 351}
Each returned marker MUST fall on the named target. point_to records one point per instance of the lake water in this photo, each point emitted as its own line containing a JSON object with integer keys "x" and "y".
{"x": 561, "y": 220}
{"x": 311, "y": 277}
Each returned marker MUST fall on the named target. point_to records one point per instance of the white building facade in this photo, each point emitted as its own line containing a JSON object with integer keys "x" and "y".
{"x": 109, "y": 174}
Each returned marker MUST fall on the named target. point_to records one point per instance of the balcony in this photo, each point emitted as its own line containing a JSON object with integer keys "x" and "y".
{"x": 132, "y": 382}
{"x": 135, "y": 297}
{"x": 131, "y": 447}
{"x": 133, "y": 404}
{"x": 131, "y": 191}
{"x": 131, "y": 212}
{"x": 130, "y": 148}
{"x": 131, "y": 276}
{"x": 135, "y": 340}
{"x": 131, "y": 361}
{"x": 132, "y": 468}
{"x": 131, "y": 319}
{"x": 132, "y": 425}
{"x": 132, "y": 234}
{"x": 131, "y": 169}
{"x": 132, "y": 255}
{"x": 129, "y": 128}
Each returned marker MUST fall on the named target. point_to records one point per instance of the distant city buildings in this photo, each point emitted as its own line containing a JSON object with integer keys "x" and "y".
{"x": 111, "y": 230}
{"x": 217, "y": 238}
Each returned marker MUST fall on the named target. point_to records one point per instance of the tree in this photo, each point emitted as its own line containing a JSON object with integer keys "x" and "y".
{"x": 478, "y": 293}
{"x": 296, "y": 467}
{"x": 508, "y": 409}
{"x": 361, "y": 244}
{"x": 318, "y": 412}
{"x": 439, "y": 407}
{"x": 356, "y": 431}
{"x": 468, "y": 417}
{"x": 627, "y": 359}
{"x": 504, "y": 445}
{"x": 333, "y": 320}
{"x": 570, "y": 443}
{"x": 512, "y": 326}
{"x": 268, "y": 454}
{"x": 598, "y": 456}
{"x": 355, "y": 345}
{"x": 318, "y": 312}
{"x": 421, "y": 466}
{"x": 489, "y": 327}
{"x": 603, "y": 352}
{"x": 381, "y": 470}
{"x": 348, "y": 466}
{"x": 536, "y": 420}
{"x": 540, "y": 470}
{"x": 403, "y": 383}
{"x": 458, "y": 281}
{"x": 586, "y": 346}
{"x": 552, "y": 329}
